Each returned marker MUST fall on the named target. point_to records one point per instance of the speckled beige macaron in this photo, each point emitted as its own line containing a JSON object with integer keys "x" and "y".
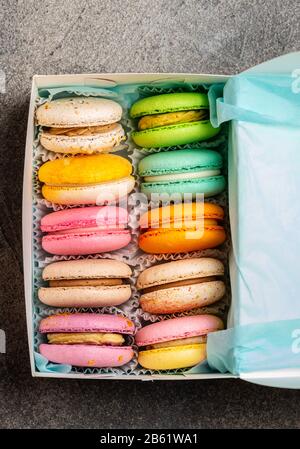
{"x": 181, "y": 285}
{"x": 86, "y": 283}
{"x": 80, "y": 125}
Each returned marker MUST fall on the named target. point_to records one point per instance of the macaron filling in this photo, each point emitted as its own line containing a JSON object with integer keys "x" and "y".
{"x": 83, "y": 131}
{"x": 91, "y": 219}
{"x": 184, "y": 176}
{"x": 90, "y": 184}
{"x": 65, "y": 235}
{"x": 107, "y": 282}
{"x": 181, "y": 283}
{"x": 89, "y": 230}
{"x": 180, "y": 342}
{"x": 172, "y": 118}
{"x": 182, "y": 215}
{"x": 86, "y": 338}
{"x": 185, "y": 224}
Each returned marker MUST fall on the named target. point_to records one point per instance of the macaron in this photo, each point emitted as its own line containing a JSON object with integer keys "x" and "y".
{"x": 181, "y": 285}
{"x": 86, "y": 283}
{"x": 80, "y": 125}
{"x": 82, "y": 180}
{"x": 175, "y": 343}
{"x": 182, "y": 172}
{"x": 181, "y": 228}
{"x": 172, "y": 119}
{"x": 85, "y": 230}
{"x": 87, "y": 339}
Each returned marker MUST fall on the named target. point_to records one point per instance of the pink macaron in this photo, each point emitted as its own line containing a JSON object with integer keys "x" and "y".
{"x": 176, "y": 343}
{"x": 87, "y": 339}
{"x": 86, "y": 230}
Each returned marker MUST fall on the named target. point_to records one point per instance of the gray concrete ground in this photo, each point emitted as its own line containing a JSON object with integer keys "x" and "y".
{"x": 118, "y": 36}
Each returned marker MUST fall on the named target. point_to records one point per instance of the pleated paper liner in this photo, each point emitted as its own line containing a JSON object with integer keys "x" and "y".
{"x": 170, "y": 86}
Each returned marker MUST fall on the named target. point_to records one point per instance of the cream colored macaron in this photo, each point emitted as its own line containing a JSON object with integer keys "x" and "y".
{"x": 181, "y": 285}
{"x": 80, "y": 125}
{"x": 86, "y": 283}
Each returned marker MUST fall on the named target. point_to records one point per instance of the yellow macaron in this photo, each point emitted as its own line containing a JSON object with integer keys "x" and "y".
{"x": 181, "y": 228}
{"x": 86, "y": 179}
{"x": 175, "y": 343}
{"x": 173, "y": 357}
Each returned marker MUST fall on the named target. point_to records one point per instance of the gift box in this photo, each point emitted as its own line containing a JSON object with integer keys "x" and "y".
{"x": 259, "y": 112}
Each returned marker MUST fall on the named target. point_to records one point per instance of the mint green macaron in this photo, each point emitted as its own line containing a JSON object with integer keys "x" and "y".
{"x": 172, "y": 119}
{"x": 181, "y": 172}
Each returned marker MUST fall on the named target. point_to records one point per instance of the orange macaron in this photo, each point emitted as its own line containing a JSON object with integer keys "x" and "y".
{"x": 181, "y": 228}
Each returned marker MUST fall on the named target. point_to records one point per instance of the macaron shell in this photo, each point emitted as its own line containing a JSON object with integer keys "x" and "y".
{"x": 209, "y": 186}
{"x": 174, "y": 135}
{"x": 102, "y": 216}
{"x": 78, "y": 111}
{"x": 158, "y": 104}
{"x": 170, "y": 241}
{"x": 179, "y": 161}
{"x": 83, "y": 170}
{"x": 109, "y": 192}
{"x": 86, "y": 269}
{"x": 184, "y": 298}
{"x": 173, "y": 358}
{"x": 78, "y": 243}
{"x": 178, "y": 270}
{"x": 87, "y": 355}
{"x": 177, "y": 328}
{"x": 86, "y": 322}
{"x": 86, "y": 144}
{"x": 84, "y": 296}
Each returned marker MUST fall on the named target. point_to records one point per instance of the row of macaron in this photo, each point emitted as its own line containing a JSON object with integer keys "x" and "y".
{"x": 89, "y": 124}
{"x": 92, "y": 340}
{"x": 102, "y": 178}
{"x": 105, "y": 177}
{"x": 165, "y": 288}
{"x": 176, "y": 228}
{"x": 97, "y": 340}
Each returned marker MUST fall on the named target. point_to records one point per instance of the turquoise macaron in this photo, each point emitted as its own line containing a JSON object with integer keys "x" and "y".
{"x": 172, "y": 119}
{"x": 192, "y": 171}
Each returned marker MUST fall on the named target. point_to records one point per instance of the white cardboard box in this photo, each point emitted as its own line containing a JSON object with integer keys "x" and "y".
{"x": 282, "y": 378}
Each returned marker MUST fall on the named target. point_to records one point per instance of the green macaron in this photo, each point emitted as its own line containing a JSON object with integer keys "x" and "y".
{"x": 172, "y": 119}
{"x": 181, "y": 172}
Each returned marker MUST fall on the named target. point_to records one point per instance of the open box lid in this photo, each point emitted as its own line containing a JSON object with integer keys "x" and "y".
{"x": 262, "y": 342}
